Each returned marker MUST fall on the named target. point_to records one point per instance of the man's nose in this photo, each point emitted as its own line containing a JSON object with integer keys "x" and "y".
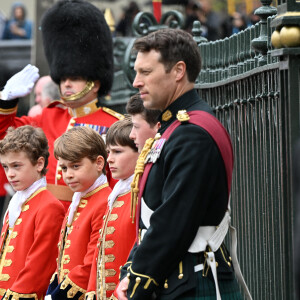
{"x": 137, "y": 81}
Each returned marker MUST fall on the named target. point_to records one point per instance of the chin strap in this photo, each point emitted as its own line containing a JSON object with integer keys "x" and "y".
{"x": 89, "y": 85}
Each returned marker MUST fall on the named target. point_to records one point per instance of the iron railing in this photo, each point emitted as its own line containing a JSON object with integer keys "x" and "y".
{"x": 254, "y": 90}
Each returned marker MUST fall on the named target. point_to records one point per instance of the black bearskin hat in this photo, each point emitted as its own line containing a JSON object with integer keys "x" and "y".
{"x": 78, "y": 43}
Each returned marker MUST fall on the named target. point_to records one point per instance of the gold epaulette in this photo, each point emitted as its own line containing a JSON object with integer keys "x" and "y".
{"x": 113, "y": 113}
{"x": 18, "y": 296}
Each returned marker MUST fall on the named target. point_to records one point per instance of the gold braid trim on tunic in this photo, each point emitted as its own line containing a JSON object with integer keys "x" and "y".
{"x": 138, "y": 172}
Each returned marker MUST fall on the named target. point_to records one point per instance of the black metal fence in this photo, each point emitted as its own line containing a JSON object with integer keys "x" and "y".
{"x": 254, "y": 89}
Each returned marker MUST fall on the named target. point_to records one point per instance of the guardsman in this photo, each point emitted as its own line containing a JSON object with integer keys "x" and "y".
{"x": 78, "y": 48}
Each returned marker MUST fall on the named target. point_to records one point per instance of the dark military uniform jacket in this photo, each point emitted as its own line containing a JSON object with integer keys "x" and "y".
{"x": 186, "y": 188}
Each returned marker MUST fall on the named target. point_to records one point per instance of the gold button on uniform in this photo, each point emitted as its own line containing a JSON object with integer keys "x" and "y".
{"x": 58, "y": 176}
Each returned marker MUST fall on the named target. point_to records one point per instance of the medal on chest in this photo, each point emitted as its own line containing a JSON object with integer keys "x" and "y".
{"x": 155, "y": 151}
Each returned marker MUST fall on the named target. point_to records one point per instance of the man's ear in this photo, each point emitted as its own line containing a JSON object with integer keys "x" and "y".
{"x": 97, "y": 85}
{"x": 100, "y": 163}
{"x": 180, "y": 69}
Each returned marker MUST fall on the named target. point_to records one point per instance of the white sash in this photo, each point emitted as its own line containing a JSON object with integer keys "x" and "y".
{"x": 78, "y": 195}
{"x": 121, "y": 187}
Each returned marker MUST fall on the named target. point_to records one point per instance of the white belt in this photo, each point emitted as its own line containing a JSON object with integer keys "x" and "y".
{"x": 208, "y": 236}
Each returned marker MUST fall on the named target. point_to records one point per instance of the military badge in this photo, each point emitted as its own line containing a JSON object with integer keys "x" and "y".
{"x": 155, "y": 151}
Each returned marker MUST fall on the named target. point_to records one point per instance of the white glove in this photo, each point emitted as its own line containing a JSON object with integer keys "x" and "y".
{"x": 20, "y": 84}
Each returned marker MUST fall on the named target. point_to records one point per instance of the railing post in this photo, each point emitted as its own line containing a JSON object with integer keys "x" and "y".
{"x": 197, "y": 33}
{"x": 226, "y": 58}
{"x": 261, "y": 43}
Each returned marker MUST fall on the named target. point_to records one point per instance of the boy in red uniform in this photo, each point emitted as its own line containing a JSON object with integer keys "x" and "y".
{"x": 118, "y": 232}
{"x": 29, "y": 234}
{"x": 82, "y": 155}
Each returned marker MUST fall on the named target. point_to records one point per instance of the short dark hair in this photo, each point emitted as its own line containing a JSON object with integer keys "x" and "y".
{"x": 80, "y": 142}
{"x": 28, "y": 139}
{"x": 173, "y": 45}
{"x": 135, "y": 106}
{"x": 118, "y": 134}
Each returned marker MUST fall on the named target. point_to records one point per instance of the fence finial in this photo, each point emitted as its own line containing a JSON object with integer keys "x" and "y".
{"x": 261, "y": 43}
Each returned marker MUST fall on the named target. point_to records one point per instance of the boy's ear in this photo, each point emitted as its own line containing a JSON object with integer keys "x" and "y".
{"x": 100, "y": 163}
{"x": 40, "y": 164}
{"x": 157, "y": 126}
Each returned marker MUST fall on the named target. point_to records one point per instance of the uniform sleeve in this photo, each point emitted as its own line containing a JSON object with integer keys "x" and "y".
{"x": 8, "y": 110}
{"x": 193, "y": 176}
{"x": 41, "y": 259}
{"x": 81, "y": 273}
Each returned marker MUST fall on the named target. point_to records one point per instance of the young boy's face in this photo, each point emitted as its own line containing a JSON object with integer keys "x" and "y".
{"x": 141, "y": 131}
{"x": 79, "y": 176}
{"x": 122, "y": 161}
{"x": 20, "y": 171}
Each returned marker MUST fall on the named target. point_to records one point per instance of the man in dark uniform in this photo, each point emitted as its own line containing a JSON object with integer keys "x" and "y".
{"x": 184, "y": 197}
{"x": 78, "y": 48}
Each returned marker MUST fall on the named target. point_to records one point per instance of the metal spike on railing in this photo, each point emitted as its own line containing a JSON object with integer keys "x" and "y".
{"x": 197, "y": 33}
{"x": 256, "y": 35}
{"x": 226, "y": 58}
{"x": 261, "y": 42}
{"x": 240, "y": 52}
{"x": 247, "y": 49}
{"x": 252, "y": 36}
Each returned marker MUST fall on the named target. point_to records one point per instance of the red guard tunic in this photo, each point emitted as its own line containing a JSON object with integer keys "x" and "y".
{"x": 55, "y": 120}
{"x": 28, "y": 254}
{"x": 117, "y": 237}
{"x": 76, "y": 248}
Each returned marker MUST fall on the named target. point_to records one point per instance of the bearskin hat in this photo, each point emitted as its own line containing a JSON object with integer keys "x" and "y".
{"x": 78, "y": 43}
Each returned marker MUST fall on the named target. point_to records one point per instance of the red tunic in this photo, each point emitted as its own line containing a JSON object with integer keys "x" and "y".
{"x": 55, "y": 120}
{"x": 117, "y": 237}
{"x": 76, "y": 249}
{"x": 28, "y": 254}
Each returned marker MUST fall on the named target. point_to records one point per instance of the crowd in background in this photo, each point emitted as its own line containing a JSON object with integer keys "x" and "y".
{"x": 215, "y": 25}
{"x": 17, "y": 26}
